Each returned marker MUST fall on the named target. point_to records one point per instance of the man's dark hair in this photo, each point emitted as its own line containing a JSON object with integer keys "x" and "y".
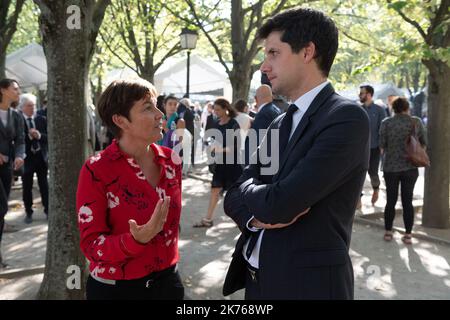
{"x": 5, "y": 83}
{"x": 300, "y": 26}
{"x": 119, "y": 97}
{"x": 400, "y": 105}
{"x": 369, "y": 89}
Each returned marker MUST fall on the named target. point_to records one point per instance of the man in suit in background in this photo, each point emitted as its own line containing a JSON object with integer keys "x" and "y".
{"x": 12, "y": 148}
{"x": 267, "y": 112}
{"x": 296, "y": 224}
{"x": 36, "y": 160}
{"x": 376, "y": 115}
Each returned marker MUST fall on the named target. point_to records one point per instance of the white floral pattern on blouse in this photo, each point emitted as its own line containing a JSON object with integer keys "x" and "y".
{"x": 113, "y": 201}
{"x": 85, "y": 215}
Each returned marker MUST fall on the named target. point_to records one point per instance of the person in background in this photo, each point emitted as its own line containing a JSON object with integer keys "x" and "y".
{"x": 12, "y": 148}
{"x": 390, "y": 100}
{"x": 160, "y": 103}
{"x": 380, "y": 103}
{"x": 267, "y": 112}
{"x": 398, "y": 171}
{"x": 184, "y": 112}
{"x": 171, "y": 122}
{"x": 43, "y": 111}
{"x": 36, "y": 160}
{"x": 228, "y": 171}
{"x": 376, "y": 115}
{"x": 129, "y": 202}
{"x": 245, "y": 122}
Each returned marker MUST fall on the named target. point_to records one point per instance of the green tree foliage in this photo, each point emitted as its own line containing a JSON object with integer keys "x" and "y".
{"x": 230, "y": 28}
{"x": 9, "y": 14}
{"x": 141, "y": 34}
{"x": 27, "y": 27}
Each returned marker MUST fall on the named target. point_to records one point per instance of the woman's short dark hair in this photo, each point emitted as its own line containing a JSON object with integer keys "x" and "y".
{"x": 119, "y": 97}
{"x": 240, "y": 105}
{"x": 225, "y": 104}
{"x": 5, "y": 83}
{"x": 400, "y": 105}
{"x": 300, "y": 26}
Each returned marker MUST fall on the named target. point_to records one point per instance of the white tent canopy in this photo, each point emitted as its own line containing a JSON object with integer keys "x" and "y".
{"x": 28, "y": 66}
{"x": 205, "y": 75}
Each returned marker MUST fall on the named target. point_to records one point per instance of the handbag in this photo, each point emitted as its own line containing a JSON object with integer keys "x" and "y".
{"x": 415, "y": 152}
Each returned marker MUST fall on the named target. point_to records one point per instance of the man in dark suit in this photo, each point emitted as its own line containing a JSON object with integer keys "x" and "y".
{"x": 36, "y": 160}
{"x": 12, "y": 147}
{"x": 267, "y": 112}
{"x": 296, "y": 224}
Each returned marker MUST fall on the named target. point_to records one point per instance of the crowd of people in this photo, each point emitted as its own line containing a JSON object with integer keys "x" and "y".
{"x": 295, "y": 224}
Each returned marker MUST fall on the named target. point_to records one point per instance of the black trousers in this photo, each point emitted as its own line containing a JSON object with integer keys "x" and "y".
{"x": 163, "y": 285}
{"x": 252, "y": 288}
{"x": 407, "y": 180}
{"x": 374, "y": 165}
{"x": 5, "y": 188}
{"x": 35, "y": 163}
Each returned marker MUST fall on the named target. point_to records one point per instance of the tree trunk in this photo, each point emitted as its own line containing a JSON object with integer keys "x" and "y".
{"x": 436, "y": 207}
{"x": 148, "y": 75}
{"x": 68, "y": 53}
{"x": 2, "y": 64}
{"x": 240, "y": 79}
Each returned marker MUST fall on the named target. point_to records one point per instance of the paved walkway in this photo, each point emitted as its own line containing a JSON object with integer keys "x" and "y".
{"x": 382, "y": 270}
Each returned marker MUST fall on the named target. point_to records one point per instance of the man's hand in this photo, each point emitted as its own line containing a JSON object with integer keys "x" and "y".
{"x": 18, "y": 163}
{"x": 34, "y": 133}
{"x": 144, "y": 233}
{"x": 2, "y": 159}
{"x": 258, "y": 224}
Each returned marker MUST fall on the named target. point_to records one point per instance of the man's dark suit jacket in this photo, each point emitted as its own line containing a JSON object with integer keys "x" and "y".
{"x": 41, "y": 126}
{"x": 263, "y": 119}
{"x": 186, "y": 113}
{"x": 11, "y": 136}
{"x": 323, "y": 168}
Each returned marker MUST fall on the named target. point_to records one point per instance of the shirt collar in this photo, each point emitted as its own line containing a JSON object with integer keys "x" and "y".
{"x": 305, "y": 100}
{"x": 262, "y": 106}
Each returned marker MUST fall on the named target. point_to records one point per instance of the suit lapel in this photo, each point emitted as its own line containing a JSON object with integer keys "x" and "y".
{"x": 301, "y": 127}
{"x": 2, "y": 128}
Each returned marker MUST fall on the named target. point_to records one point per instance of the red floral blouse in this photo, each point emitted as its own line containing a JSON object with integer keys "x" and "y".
{"x": 111, "y": 190}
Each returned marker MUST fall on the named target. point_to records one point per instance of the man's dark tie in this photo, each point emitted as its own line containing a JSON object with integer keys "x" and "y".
{"x": 34, "y": 142}
{"x": 30, "y": 123}
{"x": 285, "y": 128}
{"x": 285, "y": 131}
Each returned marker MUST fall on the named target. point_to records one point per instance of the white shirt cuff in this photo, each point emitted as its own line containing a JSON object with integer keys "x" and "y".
{"x": 252, "y": 229}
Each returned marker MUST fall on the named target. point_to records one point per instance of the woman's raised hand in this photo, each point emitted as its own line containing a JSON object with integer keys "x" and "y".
{"x": 146, "y": 232}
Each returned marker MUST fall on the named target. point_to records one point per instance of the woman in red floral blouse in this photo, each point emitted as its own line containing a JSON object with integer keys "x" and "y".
{"x": 129, "y": 202}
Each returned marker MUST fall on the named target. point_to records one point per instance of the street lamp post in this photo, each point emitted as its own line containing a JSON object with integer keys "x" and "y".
{"x": 188, "y": 40}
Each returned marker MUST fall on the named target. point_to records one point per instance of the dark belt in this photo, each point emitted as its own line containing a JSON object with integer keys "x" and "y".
{"x": 254, "y": 273}
{"x": 147, "y": 281}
